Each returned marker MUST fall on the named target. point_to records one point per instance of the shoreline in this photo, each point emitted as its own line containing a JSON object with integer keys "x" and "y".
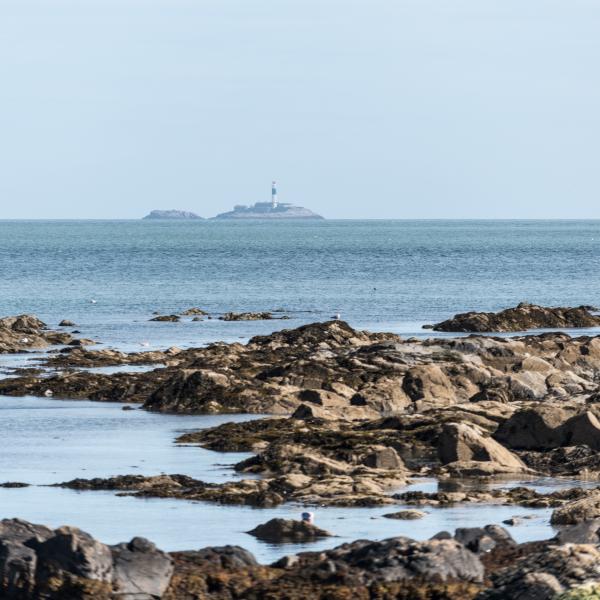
{"x": 351, "y": 422}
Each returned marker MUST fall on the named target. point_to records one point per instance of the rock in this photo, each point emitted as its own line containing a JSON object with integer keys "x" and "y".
{"x": 190, "y": 312}
{"x": 170, "y": 215}
{"x": 247, "y": 316}
{"x": 24, "y": 332}
{"x": 14, "y": 484}
{"x": 536, "y": 428}
{"x": 406, "y": 515}
{"x": 288, "y": 530}
{"x": 140, "y": 571}
{"x": 402, "y": 559}
{"x": 18, "y": 565}
{"x": 66, "y": 323}
{"x": 582, "y": 429}
{"x": 384, "y": 458}
{"x": 427, "y": 386}
{"x": 68, "y": 564}
{"x": 459, "y": 442}
{"x": 583, "y": 509}
{"x": 524, "y": 316}
{"x": 586, "y": 532}
{"x": 483, "y": 539}
{"x": 72, "y": 552}
{"x": 166, "y": 318}
{"x": 545, "y": 574}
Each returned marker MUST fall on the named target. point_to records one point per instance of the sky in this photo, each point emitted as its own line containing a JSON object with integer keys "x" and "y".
{"x": 359, "y": 109}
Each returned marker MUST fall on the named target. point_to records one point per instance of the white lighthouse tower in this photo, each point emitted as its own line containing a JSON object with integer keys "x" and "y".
{"x": 274, "y": 194}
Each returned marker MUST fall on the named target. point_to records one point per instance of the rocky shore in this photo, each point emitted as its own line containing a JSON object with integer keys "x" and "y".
{"x": 470, "y": 564}
{"x": 368, "y": 411}
{"x": 352, "y": 418}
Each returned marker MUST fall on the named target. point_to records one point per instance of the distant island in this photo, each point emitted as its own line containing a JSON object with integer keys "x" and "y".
{"x": 273, "y": 210}
{"x": 266, "y": 210}
{"x": 172, "y": 215}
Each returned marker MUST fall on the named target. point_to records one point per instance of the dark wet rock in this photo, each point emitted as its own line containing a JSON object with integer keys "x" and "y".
{"x": 545, "y": 574}
{"x": 140, "y": 570}
{"x": 247, "y": 316}
{"x": 82, "y": 342}
{"x": 400, "y": 559}
{"x": 483, "y": 539}
{"x": 69, "y": 564}
{"x": 524, "y": 316}
{"x": 406, "y": 515}
{"x": 66, "y": 323}
{"x": 288, "y": 530}
{"x": 71, "y": 552}
{"x": 512, "y": 521}
{"x": 13, "y": 484}
{"x": 166, "y": 318}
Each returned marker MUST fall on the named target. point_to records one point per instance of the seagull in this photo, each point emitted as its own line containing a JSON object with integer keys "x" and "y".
{"x": 92, "y": 301}
{"x": 144, "y": 344}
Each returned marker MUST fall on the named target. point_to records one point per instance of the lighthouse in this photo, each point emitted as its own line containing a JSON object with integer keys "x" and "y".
{"x": 274, "y": 194}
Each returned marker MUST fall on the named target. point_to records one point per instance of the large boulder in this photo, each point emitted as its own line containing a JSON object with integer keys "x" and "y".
{"x": 140, "y": 570}
{"x": 428, "y": 387}
{"x": 461, "y": 443}
{"x": 400, "y": 559}
{"x": 72, "y": 552}
{"x": 581, "y": 430}
{"x": 69, "y": 564}
{"x": 536, "y": 428}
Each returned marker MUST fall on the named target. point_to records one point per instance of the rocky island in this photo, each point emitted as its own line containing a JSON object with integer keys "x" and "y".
{"x": 172, "y": 215}
{"x": 266, "y": 210}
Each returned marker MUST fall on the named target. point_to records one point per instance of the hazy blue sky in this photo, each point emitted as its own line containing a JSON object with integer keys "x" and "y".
{"x": 371, "y": 108}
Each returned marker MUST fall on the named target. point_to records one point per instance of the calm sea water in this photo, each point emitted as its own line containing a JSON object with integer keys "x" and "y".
{"x": 393, "y": 275}
{"x": 380, "y": 275}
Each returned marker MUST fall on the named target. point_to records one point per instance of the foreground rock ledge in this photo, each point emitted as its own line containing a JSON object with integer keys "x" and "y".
{"x": 473, "y": 564}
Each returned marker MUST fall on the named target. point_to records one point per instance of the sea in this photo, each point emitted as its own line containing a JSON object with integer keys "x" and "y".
{"x": 112, "y": 277}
